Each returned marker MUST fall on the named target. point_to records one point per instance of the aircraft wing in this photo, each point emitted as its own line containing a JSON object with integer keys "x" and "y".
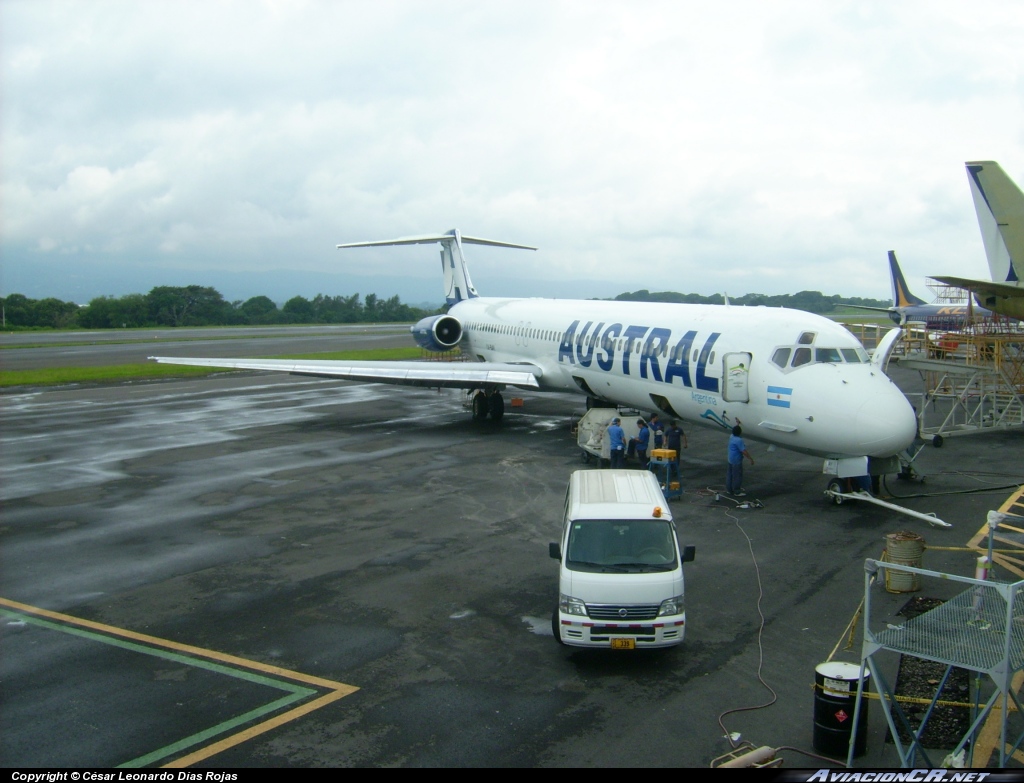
{"x": 455, "y": 375}
{"x": 984, "y": 288}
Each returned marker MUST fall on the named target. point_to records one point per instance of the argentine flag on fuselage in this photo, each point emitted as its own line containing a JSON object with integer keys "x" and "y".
{"x": 779, "y": 396}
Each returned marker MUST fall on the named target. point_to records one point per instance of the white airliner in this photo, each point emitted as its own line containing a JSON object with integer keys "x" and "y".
{"x": 791, "y": 378}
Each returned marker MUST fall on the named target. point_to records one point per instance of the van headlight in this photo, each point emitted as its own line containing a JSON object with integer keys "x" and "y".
{"x": 672, "y": 605}
{"x": 569, "y": 605}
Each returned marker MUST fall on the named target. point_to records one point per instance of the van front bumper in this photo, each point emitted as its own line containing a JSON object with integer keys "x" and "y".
{"x": 584, "y": 632}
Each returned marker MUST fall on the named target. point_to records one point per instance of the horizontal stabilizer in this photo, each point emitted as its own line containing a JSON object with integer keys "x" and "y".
{"x": 428, "y": 239}
{"x": 984, "y": 287}
{"x": 1003, "y": 298}
{"x": 867, "y": 307}
{"x": 457, "y": 284}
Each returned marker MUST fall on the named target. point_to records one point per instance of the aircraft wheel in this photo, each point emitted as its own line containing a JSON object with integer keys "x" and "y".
{"x": 496, "y": 404}
{"x": 586, "y": 456}
{"x": 479, "y": 407}
{"x": 555, "y": 627}
{"x": 937, "y": 441}
{"x": 835, "y": 485}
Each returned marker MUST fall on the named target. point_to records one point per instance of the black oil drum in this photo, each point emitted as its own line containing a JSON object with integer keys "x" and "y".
{"x": 835, "y": 697}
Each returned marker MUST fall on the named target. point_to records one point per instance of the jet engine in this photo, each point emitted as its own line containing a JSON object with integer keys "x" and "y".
{"x": 438, "y": 333}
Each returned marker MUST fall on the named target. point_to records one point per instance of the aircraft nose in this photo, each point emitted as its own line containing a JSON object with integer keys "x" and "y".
{"x": 885, "y": 421}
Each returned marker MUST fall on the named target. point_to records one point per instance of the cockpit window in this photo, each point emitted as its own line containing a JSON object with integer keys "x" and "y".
{"x": 806, "y": 352}
{"x": 855, "y": 355}
{"x": 827, "y": 355}
{"x": 801, "y": 356}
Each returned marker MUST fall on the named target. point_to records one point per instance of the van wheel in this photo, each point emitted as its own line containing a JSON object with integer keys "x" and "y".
{"x": 555, "y": 629}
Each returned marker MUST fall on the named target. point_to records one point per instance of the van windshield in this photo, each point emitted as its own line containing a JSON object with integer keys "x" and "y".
{"x": 621, "y": 546}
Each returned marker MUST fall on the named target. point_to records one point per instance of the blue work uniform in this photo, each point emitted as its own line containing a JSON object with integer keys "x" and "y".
{"x": 643, "y": 440}
{"x": 734, "y": 476}
{"x": 616, "y": 446}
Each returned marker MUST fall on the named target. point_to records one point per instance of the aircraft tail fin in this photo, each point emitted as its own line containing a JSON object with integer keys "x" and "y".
{"x": 458, "y": 285}
{"x": 1000, "y": 207}
{"x": 901, "y": 296}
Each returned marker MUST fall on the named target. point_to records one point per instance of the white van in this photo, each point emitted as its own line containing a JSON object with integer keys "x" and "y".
{"x": 621, "y": 575}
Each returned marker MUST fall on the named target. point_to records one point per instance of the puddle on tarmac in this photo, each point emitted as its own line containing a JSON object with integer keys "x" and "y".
{"x": 539, "y": 625}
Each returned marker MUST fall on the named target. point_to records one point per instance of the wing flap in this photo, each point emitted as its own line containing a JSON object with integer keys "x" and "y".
{"x": 456, "y": 375}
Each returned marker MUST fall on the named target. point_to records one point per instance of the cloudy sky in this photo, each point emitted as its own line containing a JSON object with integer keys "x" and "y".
{"x": 689, "y": 146}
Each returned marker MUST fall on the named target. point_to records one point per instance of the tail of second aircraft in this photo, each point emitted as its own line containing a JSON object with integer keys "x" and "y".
{"x": 457, "y": 284}
{"x": 1000, "y": 207}
{"x": 901, "y": 296}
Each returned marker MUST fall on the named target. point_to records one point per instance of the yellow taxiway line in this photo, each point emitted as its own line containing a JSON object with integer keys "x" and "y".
{"x": 336, "y": 690}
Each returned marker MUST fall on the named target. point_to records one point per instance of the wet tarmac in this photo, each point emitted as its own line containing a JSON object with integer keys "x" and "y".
{"x": 256, "y": 570}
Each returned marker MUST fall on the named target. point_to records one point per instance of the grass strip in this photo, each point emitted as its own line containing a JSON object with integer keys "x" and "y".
{"x": 55, "y": 376}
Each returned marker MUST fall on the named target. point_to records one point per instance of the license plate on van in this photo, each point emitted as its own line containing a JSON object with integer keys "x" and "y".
{"x": 623, "y": 644}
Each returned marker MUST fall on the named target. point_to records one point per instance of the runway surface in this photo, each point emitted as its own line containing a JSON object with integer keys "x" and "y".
{"x": 257, "y": 570}
{"x": 40, "y": 350}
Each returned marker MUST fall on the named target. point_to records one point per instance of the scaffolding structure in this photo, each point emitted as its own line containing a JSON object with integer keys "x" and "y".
{"x": 973, "y": 378}
{"x": 982, "y": 630}
{"x": 949, "y": 294}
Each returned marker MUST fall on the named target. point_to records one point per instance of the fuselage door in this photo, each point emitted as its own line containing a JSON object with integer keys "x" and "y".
{"x": 736, "y": 372}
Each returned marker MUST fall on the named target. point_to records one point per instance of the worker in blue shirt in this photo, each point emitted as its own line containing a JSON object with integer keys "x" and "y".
{"x": 737, "y": 451}
{"x": 616, "y": 444}
{"x": 674, "y": 438}
{"x": 657, "y": 430}
{"x": 643, "y": 440}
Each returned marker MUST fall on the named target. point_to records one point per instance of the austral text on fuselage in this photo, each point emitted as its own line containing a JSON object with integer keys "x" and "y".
{"x": 596, "y": 346}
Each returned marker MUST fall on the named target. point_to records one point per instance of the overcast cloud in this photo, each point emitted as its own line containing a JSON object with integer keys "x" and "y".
{"x": 739, "y": 147}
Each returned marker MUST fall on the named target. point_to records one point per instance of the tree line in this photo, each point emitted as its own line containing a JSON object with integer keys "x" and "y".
{"x": 195, "y": 305}
{"x": 811, "y": 301}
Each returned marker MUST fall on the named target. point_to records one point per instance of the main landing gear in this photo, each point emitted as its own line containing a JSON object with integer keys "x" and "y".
{"x": 488, "y": 404}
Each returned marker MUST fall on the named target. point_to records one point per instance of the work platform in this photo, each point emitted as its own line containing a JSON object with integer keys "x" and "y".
{"x": 973, "y": 379}
{"x": 980, "y": 629}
